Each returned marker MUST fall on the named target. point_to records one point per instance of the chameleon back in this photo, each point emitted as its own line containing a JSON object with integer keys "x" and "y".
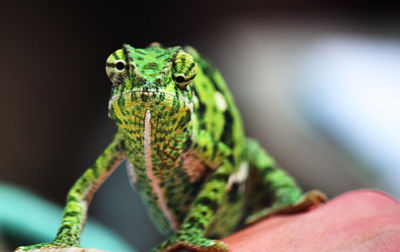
{"x": 218, "y": 115}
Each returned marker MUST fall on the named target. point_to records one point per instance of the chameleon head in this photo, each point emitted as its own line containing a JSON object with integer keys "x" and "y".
{"x": 152, "y": 80}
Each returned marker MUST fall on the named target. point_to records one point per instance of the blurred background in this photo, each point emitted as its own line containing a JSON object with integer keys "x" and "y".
{"x": 317, "y": 83}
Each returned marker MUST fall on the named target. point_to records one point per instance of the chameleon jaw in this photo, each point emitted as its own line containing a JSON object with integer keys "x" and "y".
{"x": 151, "y": 94}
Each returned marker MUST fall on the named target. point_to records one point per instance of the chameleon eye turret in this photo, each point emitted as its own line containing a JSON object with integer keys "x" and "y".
{"x": 117, "y": 67}
{"x": 184, "y": 69}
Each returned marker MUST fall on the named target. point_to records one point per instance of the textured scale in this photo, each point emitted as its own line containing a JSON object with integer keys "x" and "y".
{"x": 188, "y": 157}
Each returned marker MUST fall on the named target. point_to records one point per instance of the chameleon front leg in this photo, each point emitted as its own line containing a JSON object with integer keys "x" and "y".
{"x": 79, "y": 196}
{"x": 287, "y": 196}
{"x": 190, "y": 236}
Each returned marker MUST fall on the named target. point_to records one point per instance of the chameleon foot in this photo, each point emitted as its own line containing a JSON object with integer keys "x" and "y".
{"x": 190, "y": 242}
{"x": 68, "y": 249}
{"x": 309, "y": 200}
{"x": 37, "y": 246}
{"x": 46, "y": 245}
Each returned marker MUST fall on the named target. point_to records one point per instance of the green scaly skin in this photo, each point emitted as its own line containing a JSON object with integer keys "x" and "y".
{"x": 182, "y": 134}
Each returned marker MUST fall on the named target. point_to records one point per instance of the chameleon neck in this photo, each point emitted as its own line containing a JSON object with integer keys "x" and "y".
{"x": 156, "y": 138}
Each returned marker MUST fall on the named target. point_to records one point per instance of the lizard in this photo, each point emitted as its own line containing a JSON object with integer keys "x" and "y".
{"x": 188, "y": 157}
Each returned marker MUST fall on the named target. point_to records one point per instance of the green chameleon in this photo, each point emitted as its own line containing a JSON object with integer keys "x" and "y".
{"x": 188, "y": 157}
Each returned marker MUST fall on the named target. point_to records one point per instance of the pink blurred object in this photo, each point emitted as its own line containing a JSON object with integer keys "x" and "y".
{"x": 363, "y": 220}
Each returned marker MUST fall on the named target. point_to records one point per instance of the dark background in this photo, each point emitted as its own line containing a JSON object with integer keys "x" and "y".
{"x": 54, "y": 90}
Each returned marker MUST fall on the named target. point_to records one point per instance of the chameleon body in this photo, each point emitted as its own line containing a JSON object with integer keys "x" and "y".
{"x": 188, "y": 157}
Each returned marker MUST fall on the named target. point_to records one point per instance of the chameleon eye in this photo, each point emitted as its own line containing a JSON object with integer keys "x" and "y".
{"x": 117, "y": 67}
{"x": 117, "y": 71}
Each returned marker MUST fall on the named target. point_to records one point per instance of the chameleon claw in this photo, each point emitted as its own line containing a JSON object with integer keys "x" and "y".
{"x": 308, "y": 201}
{"x": 190, "y": 242}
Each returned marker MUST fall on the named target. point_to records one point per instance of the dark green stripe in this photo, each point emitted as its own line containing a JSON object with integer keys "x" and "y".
{"x": 115, "y": 55}
{"x": 220, "y": 176}
{"x": 211, "y": 203}
{"x": 72, "y": 214}
{"x": 227, "y": 135}
{"x": 191, "y": 66}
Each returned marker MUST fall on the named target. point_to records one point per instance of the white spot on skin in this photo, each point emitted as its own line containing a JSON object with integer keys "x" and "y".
{"x": 220, "y": 100}
{"x": 155, "y": 182}
{"x": 239, "y": 177}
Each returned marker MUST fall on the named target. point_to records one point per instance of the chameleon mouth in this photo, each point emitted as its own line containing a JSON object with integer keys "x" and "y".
{"x": 149, "y": 93}
{"x": 150, "y": 96}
